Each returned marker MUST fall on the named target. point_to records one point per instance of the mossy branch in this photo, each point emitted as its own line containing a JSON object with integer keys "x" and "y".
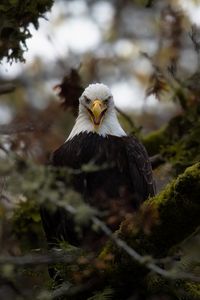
{"x": 177, "y": 142}
{"x": 178, "y": 211}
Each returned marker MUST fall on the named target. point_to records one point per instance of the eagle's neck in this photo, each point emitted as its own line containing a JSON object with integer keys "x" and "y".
{"x": 109, "y": 126}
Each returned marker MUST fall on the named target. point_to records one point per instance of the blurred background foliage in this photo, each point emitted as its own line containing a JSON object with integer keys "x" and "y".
{"x": 16, "y": 16}
{"x": 148, "y": 52}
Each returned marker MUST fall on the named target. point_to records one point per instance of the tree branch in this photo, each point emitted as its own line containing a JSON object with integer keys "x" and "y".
{"x": 22, "y": 127}
{"x": 49, "y": 258}
{"x": 146, "y": 261}
{"x": 196, "y": 43}
{"x": 156, "y": 161}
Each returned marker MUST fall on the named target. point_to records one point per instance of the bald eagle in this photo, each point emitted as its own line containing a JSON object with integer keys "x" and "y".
{"x": 118, "y": 188}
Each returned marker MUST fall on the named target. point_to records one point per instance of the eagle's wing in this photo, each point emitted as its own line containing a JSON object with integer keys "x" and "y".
{"x": 59, "y": 157}
{"x": 58, "y": 224}
{"x": 140, "y": 169}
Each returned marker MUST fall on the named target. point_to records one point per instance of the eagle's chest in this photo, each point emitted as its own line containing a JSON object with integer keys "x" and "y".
{"x": 103, "y": 165}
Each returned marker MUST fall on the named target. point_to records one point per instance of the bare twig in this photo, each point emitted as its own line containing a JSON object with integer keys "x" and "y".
{"x": 69, "y": 290}
{"x": 156, "y": 161}
{"x": 42, "y": 259}
{"x": 194, "y": 36}
{"x": 19, "y": 128}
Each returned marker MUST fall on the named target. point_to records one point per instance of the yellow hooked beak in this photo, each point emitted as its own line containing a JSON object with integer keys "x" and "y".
{"x": 97, "y": 111}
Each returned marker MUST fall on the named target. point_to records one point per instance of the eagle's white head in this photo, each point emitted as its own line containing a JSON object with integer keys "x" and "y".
{"x": 97, "y": 112}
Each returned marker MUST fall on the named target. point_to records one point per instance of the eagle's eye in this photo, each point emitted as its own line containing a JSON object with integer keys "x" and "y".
{"x": 107, "y": 100}
{"x": 87, "y": 100}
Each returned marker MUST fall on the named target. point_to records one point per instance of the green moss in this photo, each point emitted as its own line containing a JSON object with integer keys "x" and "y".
{"x": 16, "y": 16}
{"x": 154, "y": 141}
{"x": 178, "y": 210}
{"x": 177, "y": 289}
{"x": 179, "y": 141}
{"x": 191, "y": 291}
{"x": 156, "y": 284}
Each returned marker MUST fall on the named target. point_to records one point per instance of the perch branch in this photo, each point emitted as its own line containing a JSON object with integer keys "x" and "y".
{"x": 146, "y": 261}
